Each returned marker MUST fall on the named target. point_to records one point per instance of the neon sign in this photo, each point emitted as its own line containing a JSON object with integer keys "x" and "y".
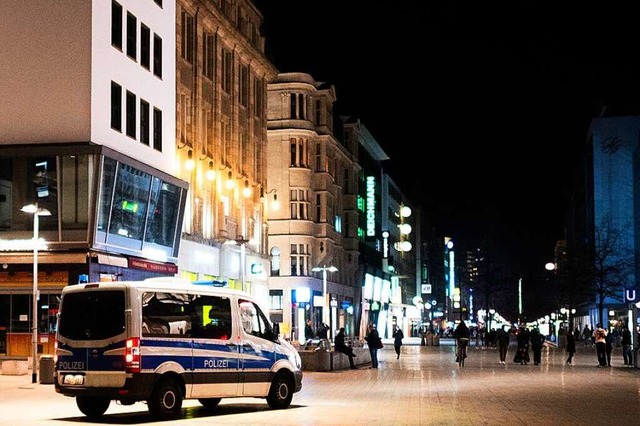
{"x": 371, "y": 206}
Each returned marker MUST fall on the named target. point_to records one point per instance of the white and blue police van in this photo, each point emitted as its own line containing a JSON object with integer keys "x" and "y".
{"x": 162, "y": 341}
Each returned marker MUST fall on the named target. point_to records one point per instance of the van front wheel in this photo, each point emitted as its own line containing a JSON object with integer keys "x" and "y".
{"x": 92, "y": 407}
{"x": 281, "y": 392}
{"x": 165, "y": 401}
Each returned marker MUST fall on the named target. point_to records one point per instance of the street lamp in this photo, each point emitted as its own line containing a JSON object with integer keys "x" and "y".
{"x": 325, "y": 307}
{"x": 36, "y": 212}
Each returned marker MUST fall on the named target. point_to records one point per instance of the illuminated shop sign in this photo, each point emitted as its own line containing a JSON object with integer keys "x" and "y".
{"x": 371, "y": 206}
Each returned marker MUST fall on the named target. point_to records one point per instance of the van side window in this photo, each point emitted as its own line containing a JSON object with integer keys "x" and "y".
{"x": 253, "y": 320}
{"x": 211, "y": 317}
{"x": 166, "y": 314}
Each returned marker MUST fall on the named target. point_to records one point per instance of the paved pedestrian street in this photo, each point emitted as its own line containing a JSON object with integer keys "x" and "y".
{"x": 424, "y": 387}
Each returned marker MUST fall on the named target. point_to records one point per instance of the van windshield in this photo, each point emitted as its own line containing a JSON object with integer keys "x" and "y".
{"x": 92, "y": 315}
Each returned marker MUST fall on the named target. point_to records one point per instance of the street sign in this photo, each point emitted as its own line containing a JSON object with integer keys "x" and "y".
{"x": 630, "y": 295}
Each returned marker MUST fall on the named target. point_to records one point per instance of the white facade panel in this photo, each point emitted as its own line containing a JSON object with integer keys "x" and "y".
{"x": 111, "y": 64}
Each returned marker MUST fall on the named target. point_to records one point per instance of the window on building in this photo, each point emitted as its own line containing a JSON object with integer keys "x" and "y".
{"x": 299, "y": 259}
{"x": 297, "y": 106}
{"x": 157, "y": 129}
{"x": 186, "y": 37}
{"x": 318, "y": 208}
{"x": 243, "y": 90}
{"x": 299, "y": 204}
{"x": 116, "y": 106}
{"x": 275, "y": 300}
{"x": 157, "y": 56}
{"x": 318, "y": 112}
{"x": 319, "y": 158}
{"x": 116, "y": 25}
{"x": 132, "y": 36}
{"x": 131, "y": 115}
{"x": 145, "y": 46}
{"x": 298, "y": 152}
{"x": 227, "y": 70}
{"x": 258, "y": 97}
{"x": 144, "y": 122}
{"x": 275, "y": 261}
{"x": 208, "y": 53}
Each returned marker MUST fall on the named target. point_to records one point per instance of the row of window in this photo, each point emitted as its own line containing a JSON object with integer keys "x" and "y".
{"x": 117, "y": 19}
{"x": 188, "y": 53}
{"x": 132, "y": 124}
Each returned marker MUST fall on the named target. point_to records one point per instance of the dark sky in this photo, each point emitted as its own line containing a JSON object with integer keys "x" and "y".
{"x": 483, "y": 107}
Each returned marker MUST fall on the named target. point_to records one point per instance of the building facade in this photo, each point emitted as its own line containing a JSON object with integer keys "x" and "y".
{"x": 86, "y": 139}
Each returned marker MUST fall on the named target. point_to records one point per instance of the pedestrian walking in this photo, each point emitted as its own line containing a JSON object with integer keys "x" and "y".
{"x": 586, "y": 335}
{"x": 571, "y": 345}
{"x": 626, "y": 347}
{"x": 398, "y": 335}
{"x": 537, "y": 340}
{"x": 374, "y": 342}
{"x": 609, "y": 342}
{"x": 600, "y": 334}
{"x": 522, "y": 354}
{"x": 502, "y": 340}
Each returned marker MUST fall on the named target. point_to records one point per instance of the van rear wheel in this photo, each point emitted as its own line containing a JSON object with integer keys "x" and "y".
{"x": 209, "y": 403}
{"x": 281, "y": 392}
{"x": 92, "y": 407}
{"x": 165, "y": 401}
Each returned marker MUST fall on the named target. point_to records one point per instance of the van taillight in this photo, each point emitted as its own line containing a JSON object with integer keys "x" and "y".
{"x": 55, "y": 352}
{"x": 132, "y": 355}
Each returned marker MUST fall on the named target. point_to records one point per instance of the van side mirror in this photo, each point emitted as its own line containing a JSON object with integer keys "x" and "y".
{"x": 276, "y": 330}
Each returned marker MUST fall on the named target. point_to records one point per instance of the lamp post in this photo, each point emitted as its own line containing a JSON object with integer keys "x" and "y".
{"x": 36, "y": 212}
{"x": 325, "y": 305}
{"x": 243, "y": 257}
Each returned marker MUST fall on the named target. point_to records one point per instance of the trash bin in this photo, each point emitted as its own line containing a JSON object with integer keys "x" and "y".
{"x": 46, "y": 369}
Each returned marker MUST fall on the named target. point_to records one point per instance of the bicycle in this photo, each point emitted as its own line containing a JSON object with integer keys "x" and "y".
{"x": 462, "y": 344}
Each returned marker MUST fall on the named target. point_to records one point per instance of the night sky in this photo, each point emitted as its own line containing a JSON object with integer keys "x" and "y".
{"x": 496, "y": 96}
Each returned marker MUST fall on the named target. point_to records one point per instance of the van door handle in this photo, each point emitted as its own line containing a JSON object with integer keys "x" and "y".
{"x": 232, "y": 345}
{"x": 247, "y": 345}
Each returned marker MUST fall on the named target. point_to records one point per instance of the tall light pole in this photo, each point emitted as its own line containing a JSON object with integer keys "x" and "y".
{"x": 36, "y": 212}
{"x": 325, "y": 307}
{"x": 243, "y": 257}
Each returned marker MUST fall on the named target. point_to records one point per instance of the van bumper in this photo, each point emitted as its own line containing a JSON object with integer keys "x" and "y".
{"x": 297, "y": 376}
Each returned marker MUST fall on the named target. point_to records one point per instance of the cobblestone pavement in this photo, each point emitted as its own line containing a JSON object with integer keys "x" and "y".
{"x": 423, "y": 387}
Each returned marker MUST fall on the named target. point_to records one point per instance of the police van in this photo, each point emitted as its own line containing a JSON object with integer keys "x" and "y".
{"x": 162, "y": 341}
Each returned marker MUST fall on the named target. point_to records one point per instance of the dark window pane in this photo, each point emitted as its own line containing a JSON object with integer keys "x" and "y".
{"x": 157, "y": 129}
{"x": 131, "y": 114}
{"x": 132, "y": 36}
{"x": 164, "y": 207}
{"x": 145, "y": 46}
{"x": 157, "y": 55}
{"x": 116, "y": 25}
{"x": 116, "y": 106}
{"x": 92, "y": 315}
{"x": 144, "y": 122}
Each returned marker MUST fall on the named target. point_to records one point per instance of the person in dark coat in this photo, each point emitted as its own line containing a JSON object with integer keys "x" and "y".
{"x": 374, "y": 342}
{"x": 609, "y": 342}
{"x": 522, "y": 354}
{"x": 502, "y": 340}
{"x": 571, "y": 345}
{"x": 341, "y": 346}
{"x": 398, "y": 335}
{"x": 627, "y": 349}
{"x": 537, "y": 340}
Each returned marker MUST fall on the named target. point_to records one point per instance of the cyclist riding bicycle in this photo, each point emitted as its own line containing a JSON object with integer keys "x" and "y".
{"x": 461, "y": 335}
